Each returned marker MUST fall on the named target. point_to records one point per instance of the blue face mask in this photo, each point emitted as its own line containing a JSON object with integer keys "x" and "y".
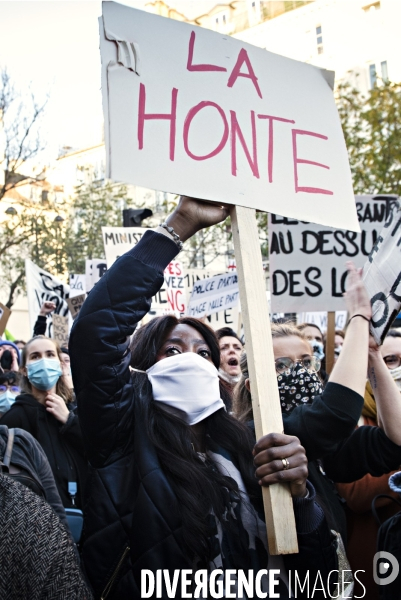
{"x": 44, "y": 373}
{"x": 7, "y": 398}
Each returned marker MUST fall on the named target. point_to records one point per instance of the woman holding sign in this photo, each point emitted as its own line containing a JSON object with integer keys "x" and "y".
{"x": 173, "y": 483}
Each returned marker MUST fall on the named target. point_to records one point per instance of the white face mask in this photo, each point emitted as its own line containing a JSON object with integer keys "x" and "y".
{"x": 396, "y": 375}
{"x": 189, "y": 383}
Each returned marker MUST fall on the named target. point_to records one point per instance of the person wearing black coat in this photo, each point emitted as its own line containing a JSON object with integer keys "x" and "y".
{"x": 325, "y": 426}
{"x": 158, "y": 496}
{"x": 53, "y": 422}
{"x": 28, "y": 456}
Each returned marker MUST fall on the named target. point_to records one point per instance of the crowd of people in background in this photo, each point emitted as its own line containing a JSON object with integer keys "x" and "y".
{"x": 145, "y": 456}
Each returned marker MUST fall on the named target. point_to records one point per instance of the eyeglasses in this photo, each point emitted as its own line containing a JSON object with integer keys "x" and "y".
{"x": 392, "y": 361}
{"x": 310, "y": 363}
{"x": 12, "y": 388}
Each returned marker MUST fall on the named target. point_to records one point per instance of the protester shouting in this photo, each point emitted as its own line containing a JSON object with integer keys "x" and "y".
{"x": 230, "y": 355}
{"x": 173, "y": 472}
{"x": 43, "y": 409}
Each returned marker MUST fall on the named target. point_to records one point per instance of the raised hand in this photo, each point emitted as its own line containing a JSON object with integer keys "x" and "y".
{"x": 356, "y": 296}
{"x": 47, "y": 308}
{"x": 192, "y": 214}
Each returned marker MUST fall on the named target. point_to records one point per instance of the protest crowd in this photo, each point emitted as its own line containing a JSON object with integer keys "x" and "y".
{"x": 133, "y": 449}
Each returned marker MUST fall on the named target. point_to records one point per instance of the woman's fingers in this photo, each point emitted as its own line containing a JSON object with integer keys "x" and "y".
{"x": 273, "y": 439}
{"x": 277, "y": 452}
{"x": 297, "y": 476}
{"x": 281, "y": 458}
{"x": 285, "y": 465}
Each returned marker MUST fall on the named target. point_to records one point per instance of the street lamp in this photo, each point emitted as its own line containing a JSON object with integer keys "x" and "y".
{"x": 11, "y": 211}
{"x": 57, "y": 219}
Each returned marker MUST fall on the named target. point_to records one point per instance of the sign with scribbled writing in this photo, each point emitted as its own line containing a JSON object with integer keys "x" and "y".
{"x": 214, "y": 295}
{"x": 118, "y": 240}
{"x": 42, "y": 286}
{"x": 382, "y": 276}
{"x": 203, "y": 114}
{"x": 307, "y": 261}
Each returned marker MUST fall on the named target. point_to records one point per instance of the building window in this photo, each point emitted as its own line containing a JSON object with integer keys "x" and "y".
{"x": 384, "y": 70}
{"x": 372, "y": 76}
{"x": 319, "y": 39}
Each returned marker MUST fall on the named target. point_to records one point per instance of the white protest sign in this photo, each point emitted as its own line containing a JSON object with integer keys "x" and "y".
{"x": 118, "y": 240}
{"x": 206, "y": 115}
{"x": 41, "y": 287}
{"x": 94, "y": 269}
{"x": 77, "y": 285}
{"x": 226, "y": 318}
{"x": 382, "y": 276}
{"x": 214, "y": 295}
{"x": 320, "y": 319}
{"x": 307, "y": 261}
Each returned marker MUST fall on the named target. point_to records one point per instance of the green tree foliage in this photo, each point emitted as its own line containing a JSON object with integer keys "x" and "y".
{"x": 372, "y": 131}
{"x": 94, "y": 205}
{"x": 31, "y": 231}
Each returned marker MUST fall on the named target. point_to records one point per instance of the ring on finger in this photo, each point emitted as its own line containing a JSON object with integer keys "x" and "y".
{"x": 286, "y": 464}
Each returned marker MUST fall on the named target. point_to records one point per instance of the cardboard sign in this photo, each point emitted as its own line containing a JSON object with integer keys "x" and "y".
{"x": 202, "y": 114}
{"x": 75, "y": 304}
{"x": 307, "y": 261}
{"x": 94, "y": 269}
{"x": 41, "y": 287}
{"x": 118, "y": 240}
{"x": 77, "y": 285}
{"x": 382, "y": 276}
{"x": 214, "y": 295}
{"x": 5, "y": 314}
{"x": 60, "y": 330}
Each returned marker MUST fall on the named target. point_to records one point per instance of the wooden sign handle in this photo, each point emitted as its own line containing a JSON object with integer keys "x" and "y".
{"x": 279, "y": 512}
{"x": 330, "y": 335}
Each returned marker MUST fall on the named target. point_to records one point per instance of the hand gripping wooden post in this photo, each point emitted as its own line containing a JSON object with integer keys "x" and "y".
{"x": 279, "y": 512}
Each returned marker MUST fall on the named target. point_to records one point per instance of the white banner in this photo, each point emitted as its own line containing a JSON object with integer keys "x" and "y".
{"x": 77, "y": 285}
{"x": 307, "y": 261}
{"x": 214, "y": 295}
{"x": 320, "y": 319}
{"x": 118, "y": 240}
{"x": 382, "y": 276}
{"x": 44, "y": 287}
{"x": 94, "y": 269}
{"x": 206, "y": 115}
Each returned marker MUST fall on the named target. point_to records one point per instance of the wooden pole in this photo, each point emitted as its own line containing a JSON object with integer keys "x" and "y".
{"x": 330, "y": 335}
{"x": 279, "y": 512}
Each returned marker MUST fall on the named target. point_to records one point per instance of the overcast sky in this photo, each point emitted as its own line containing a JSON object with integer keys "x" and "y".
{"x": 54, "y": 47}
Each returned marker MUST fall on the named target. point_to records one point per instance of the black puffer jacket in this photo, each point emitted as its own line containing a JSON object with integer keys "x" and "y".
{"x": 132, "y": 518}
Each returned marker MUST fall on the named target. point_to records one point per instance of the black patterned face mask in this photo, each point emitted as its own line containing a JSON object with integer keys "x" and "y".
{"x": 297, "y": 387}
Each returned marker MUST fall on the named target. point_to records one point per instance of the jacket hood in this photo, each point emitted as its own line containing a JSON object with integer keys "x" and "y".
{"x": 29, "y": 400}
